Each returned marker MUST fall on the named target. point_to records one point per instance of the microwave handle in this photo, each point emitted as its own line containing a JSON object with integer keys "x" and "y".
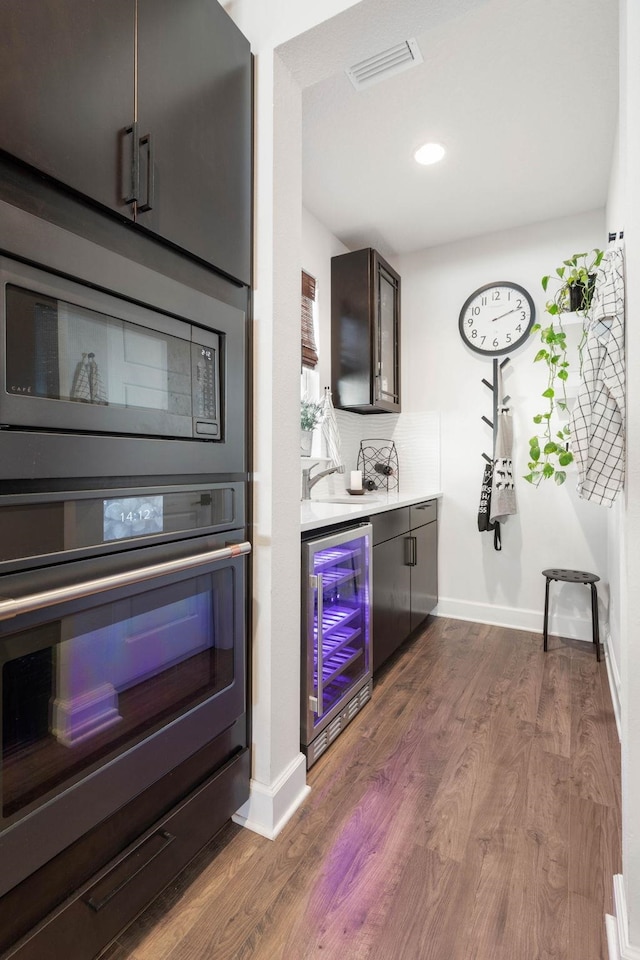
{"x": 10, "y": 608}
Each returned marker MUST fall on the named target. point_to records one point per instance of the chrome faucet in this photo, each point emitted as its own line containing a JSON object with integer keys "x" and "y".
{"x": 309, "y": 482}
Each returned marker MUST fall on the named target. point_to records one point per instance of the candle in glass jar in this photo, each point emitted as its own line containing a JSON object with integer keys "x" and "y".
{"x": 356, "y": 480}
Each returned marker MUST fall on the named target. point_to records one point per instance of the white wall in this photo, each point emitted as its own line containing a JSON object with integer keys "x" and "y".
{"x": 626, "y": 187}
{"x": 553, "y": 528}
{"x": 416, "y": 436}
{"x": 268, "y": 23}
{"x": 616, "y": 532}
{"x": 318, "y": 246}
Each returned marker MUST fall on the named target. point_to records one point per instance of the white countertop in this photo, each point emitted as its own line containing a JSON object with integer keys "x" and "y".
{"x": 315, "y": 514}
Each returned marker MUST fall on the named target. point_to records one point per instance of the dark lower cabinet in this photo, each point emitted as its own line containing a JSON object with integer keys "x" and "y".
{"x": 424, "y": 569}
{"x": 391, "y": 598}
{"x": 143, "y": 106}
{"x": 405, "y": 574}
{"x": 106, "y": 893}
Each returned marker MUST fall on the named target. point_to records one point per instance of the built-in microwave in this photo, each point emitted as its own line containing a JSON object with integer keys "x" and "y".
{"x": 79, "y": 359}
{"x": 81, "y": 363}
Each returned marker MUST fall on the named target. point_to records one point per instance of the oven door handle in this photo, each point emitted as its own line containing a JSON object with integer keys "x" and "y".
{"x": 37, "y": 601}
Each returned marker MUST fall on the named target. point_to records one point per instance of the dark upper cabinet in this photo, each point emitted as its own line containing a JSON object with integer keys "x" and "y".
{"x": 169, "y": 145}
{"x": 67, "y": 90}
{"x": 195, "y": 108}
{"x": 365, "y": 333}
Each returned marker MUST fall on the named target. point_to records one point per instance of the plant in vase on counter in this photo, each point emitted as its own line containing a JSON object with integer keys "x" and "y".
{"x": 310, "y": 417}
{"x": 549, "y": 451}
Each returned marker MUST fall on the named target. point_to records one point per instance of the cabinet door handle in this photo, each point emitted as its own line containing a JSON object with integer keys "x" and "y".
{"x": 147, "y": 142}
{"x": 130, "y": 190}
{"x": 320, "y": 635}
{"x": 410, "y": 551}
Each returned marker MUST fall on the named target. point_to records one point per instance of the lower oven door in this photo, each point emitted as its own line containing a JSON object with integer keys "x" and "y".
{"x": 113, "y": 671}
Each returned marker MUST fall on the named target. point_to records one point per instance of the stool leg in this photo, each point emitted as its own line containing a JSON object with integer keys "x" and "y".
{"x": 595, "y": 626}
{"x": 546, "y": 614}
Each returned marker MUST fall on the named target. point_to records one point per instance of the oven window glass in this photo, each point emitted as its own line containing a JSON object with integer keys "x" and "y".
{"x": 61, "y": 351}
{"x": 80, "y": 690}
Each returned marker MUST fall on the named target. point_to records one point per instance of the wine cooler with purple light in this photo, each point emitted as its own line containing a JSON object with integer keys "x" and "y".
{"x": 336, "y": 635}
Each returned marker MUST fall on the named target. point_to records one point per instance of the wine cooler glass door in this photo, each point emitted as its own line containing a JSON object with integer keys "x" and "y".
{"x": 338, "y": 578}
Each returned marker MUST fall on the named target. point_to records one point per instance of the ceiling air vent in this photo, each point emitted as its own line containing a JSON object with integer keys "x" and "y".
{"x": 402, "y": 56}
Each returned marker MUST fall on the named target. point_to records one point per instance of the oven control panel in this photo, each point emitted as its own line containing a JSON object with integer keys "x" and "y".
{"x": 43, "y": 528}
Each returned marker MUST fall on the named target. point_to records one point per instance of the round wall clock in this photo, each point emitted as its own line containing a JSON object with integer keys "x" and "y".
{"x": 497, "y": 318}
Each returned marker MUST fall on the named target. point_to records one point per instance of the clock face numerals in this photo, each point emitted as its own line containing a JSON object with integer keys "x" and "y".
{"x": 497, "y": 318}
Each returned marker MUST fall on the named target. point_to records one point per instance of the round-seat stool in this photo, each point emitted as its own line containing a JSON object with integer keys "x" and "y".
{"x": 573, "y": 576}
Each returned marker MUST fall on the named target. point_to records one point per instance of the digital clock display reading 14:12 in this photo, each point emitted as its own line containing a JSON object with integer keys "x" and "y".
{"x": 497, "y": 318}
{"x": 132, "y": 517}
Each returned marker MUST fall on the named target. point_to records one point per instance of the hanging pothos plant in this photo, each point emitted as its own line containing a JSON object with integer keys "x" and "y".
{"x": 549, "y": 452}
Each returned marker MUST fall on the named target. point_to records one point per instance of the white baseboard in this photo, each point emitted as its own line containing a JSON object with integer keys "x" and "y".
{"x": 615, "y": 685}
{"x": 618, "y": 926}
{"x": 270, "y": 807}
{"x": 612, "y": 937}
{"x": 575, "y": 628}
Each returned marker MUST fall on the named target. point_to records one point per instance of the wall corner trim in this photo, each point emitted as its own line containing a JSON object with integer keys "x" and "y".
{"x": 615, "y": 684}
{"x": 270, "y": 807}
{"x": 618, "y": 926}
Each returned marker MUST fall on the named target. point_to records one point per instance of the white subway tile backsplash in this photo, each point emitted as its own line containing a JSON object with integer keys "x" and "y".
{"x": 417, "y": 440}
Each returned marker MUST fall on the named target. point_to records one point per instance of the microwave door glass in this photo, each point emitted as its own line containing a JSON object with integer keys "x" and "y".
{"x": 65, "y": 352}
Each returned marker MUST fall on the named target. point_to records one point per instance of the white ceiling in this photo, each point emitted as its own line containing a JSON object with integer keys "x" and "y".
{"x": 523, "y": 93}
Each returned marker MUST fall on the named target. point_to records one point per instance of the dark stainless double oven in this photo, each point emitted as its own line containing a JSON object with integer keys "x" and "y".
{"x": 123, "y": 590}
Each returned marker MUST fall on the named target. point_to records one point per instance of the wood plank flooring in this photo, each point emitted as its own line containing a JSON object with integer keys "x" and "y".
{"x": 470, "y": 812}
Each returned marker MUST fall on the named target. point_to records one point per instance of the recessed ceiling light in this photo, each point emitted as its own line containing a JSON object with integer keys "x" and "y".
{"x": 429, "y": 153}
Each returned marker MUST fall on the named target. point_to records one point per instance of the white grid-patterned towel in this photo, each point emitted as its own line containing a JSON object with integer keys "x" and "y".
{"x": 597, "y": 421}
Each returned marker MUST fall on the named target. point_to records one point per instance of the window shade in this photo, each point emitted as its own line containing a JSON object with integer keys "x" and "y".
{"x": 309, "y": 349}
